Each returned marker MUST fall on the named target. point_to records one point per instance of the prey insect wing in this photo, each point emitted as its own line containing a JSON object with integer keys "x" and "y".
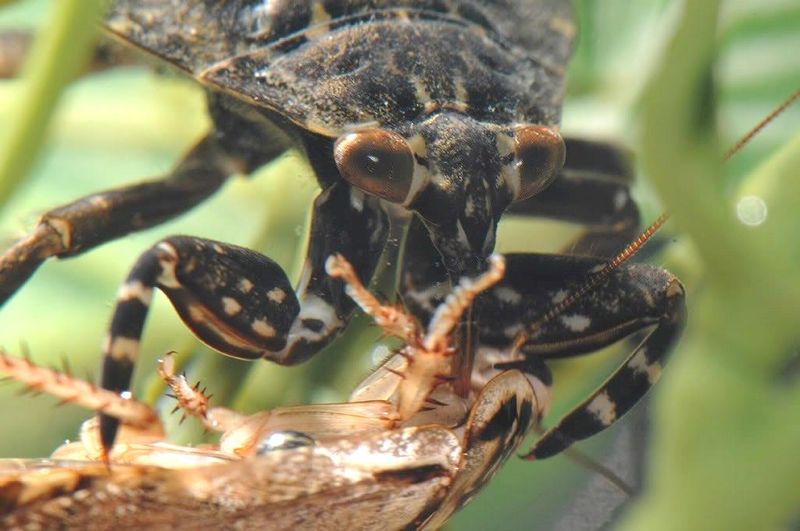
{"x": 416, "y": 476}
{"x": 349, "y": 483}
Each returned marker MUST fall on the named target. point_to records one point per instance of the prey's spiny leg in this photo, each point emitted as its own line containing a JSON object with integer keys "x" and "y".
{"x": 75, "y": 391}
{"x": 191, "y": 399}
{"x": 424, "y": 362}
{"x": 429, "y": 359}
{"x": 394, "y": 320}
{"x": 194, "y": 401}
{"x": 448, "y": 314}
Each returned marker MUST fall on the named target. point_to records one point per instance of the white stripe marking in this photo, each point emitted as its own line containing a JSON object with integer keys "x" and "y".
{"x": 639, "y": 364}
{"x": 263, "y": 328}
{"x": 123, "y": 349}
{"x": 603, "y": 409}
{"x": 135, "y": 290}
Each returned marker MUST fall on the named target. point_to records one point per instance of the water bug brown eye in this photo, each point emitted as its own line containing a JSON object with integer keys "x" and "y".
{"x": 539, "y": 154}
{"x": 377, "y": 161}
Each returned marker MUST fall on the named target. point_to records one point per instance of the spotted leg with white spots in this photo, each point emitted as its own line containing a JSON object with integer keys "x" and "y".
{"x": 634, "y": 298}
{"x": 240, "y": 302}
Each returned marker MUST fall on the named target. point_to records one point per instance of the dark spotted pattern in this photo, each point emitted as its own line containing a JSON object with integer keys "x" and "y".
{"x": 284, "y": 59}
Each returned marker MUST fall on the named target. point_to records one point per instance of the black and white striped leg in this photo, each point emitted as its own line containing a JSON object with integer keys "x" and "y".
{"x": 240, "y": 302}
{"x": 593, "y": 189}
{"x": 624, "y": 388}
{"x": 235, "y": 300}
{"x": 634, "y": 297}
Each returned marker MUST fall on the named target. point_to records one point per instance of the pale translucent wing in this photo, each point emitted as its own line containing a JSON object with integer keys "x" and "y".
{"x": 318, "y": 421}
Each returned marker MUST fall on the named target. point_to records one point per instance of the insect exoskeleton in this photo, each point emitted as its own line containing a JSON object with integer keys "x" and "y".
{"x": 445, "y": 142}
{"x": 441, "y": 142}
{"x": 406, "y": 450}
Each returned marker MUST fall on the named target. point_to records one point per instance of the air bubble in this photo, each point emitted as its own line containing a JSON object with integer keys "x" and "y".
{"x": 751, "y": 210}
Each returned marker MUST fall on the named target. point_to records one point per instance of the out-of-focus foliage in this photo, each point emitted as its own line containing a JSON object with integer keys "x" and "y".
{"x": 726, "y": 437}
{"x": 723, "y": 411}
{"x": 59, "y": 53}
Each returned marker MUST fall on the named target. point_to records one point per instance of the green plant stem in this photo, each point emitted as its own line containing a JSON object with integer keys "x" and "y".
{"x": 59, "y": 53}
{"x": 726, "y": 431}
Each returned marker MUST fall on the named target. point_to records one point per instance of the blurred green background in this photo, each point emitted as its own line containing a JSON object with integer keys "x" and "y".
{"x": 730, "y": 397}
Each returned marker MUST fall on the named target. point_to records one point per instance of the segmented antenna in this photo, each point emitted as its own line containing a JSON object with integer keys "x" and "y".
{"x": 761, "y": 125}
{"x": 597, "y": 278}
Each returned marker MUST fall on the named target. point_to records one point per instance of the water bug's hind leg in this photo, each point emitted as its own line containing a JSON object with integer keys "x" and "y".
{"x": 79, "y": 226}
{"x": 85, "y": 223}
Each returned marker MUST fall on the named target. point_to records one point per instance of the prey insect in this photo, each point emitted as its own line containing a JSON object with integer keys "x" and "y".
{"x": 405, "y": 452}
{"x": 446, "y": 141}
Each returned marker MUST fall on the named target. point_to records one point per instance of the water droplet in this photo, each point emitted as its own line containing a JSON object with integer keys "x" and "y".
{"x": 379, "y": 354}
{"x": 751, "y": 210}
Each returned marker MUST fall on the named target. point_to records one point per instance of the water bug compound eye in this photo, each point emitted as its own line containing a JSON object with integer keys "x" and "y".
{"x": 377, "y": 161}
{"x": 539, "y": 154}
